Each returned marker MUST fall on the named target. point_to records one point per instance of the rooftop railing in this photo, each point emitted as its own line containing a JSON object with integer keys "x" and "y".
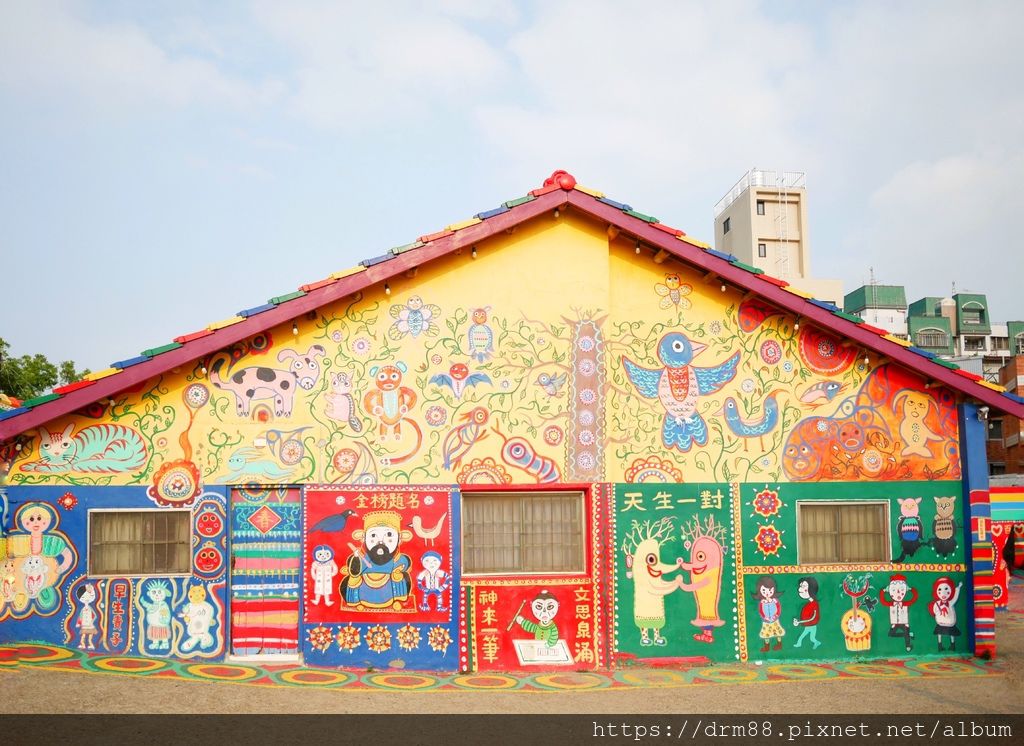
{"x": 755, "y": 177}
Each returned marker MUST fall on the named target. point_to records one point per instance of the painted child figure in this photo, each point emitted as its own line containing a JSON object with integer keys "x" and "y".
{"x": 322, "y": 569}
{"x": 86, "y": 621}
{"x": 899, "y": 604}
{"x": 544, "y": 607}
{"x": 198, "y": 616}
{"x": 432, "y": 581}
{"x": 158, "y": 614}
{"x": 769, "y": 608}
{"x": 810, "y": 614}
{"x": 8, "y": 581}
{"x": 943, "y": 608}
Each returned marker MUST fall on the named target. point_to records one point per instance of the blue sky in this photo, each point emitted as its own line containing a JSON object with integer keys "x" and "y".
{"x": 167, "y": 164}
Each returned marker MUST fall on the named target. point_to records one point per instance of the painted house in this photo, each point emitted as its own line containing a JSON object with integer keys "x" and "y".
{"x": 558, "y": 434}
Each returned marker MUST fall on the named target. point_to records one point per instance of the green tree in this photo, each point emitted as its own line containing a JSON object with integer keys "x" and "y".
{"x": 29, "y": 376}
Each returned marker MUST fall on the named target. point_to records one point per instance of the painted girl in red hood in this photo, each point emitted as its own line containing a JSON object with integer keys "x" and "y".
{"x": 943, "y": 608}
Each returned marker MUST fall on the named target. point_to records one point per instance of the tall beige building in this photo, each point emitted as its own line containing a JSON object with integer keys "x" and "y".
{"x": 762, "y": 221}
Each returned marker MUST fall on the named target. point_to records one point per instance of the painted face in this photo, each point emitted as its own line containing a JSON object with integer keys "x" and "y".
{"x": 431, "y": 563}
{"x": 705, "y": 558}
{"x": 208, "y": 523}
{"x": 88, "y": 595}
{"x": 672, "y": 281}
{"x": 323, "y": 555}
{"x": 156, "y": 594}
{"x": 897, "y": 590}
{"x": 766, "y": 592}
{"x": 544, "y": 609}
{"x": 197, "y": 594}
{"x": 208, "y": 558}
{"x": 415, "y": 303}
{"x": 381, "y": 543}
{"x": 36, "y": 521}
{"x": 388, "y": 378}
{"x": 851, "y": 437}
{"x": 800, "y": 460}
{"x": 944, "y": 591}
{"x": 479, "y": 316}
{"x": 802, "y": 590}
{"x": 459, "y": 371}
{"x": 33, "y": 565}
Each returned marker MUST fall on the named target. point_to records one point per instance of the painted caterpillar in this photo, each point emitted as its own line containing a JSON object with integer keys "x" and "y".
{"x": 518, "y": 452}
{"x": 102, "y": 449}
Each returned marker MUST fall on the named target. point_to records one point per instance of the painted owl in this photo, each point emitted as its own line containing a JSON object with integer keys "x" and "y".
{"x": 480, "y": 337}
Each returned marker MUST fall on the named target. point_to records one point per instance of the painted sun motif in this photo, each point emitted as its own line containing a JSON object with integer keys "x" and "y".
{"x": 67, "y": 501}
{"x": 653, "y": 469}
{"x": 439, "y": 639}
{"x": 408, "y": 637}
{"x": 483, "y": 471}
{"x": 348, "y": 638}
{"x": 320, "y": 638}
{"x": 378, "y": 638}
{"x": 767, "y": 503}
{"x": 768, "y": 540}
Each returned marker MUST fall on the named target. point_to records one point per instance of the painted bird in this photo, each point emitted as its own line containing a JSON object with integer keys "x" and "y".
{"x": 747, "y": 428}
{"x": 427, "y": 534}
{"x": 552, "y": 384}
{"x": 678, "y": 385}
{"x": 480, "y": 337}
{"x": 458, "y": 379}
{"x": 334, "y": 523}
{"x": 821, "y": 393}
{"x": 463, "y": 437}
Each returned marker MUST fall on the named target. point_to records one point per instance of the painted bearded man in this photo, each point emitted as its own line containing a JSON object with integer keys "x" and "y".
{"x": 376, "y": 575}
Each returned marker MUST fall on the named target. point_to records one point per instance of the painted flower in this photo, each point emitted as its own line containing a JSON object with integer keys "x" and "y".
{"x": 715, "y": 328}
{"x": 787, "y": 366}
{"x": 585, "y": 461}
{"x": 767, "y": 502}
{"x": 339, "y": 500}
{"x": 436, "y": 415}
{"x": 653, "y": 469}
{"x": 586, "y": 437}
{"x": 771, "y": 352}
{"x": 348, "y": 638}
{"x": 553, "y": 435}
{"x": 436, "y": 359}
{"x": 67, "y": 501}
{"x": 196, "y": 395}
{"x": 439, "y": 639}
{"x": 345, "y": 460}
{"x": 541, "y": 341}
{"x": 822, "y": 426}
{"x": 320, "y": 638}
{"x": 408, "y": 637}
{"x": 586, "y": 418}
{"x": 765, "y": 461}
{"x": 872, "y": 461}
{"x": 506, "y": 384}
{"x": 360, "y": 346}
{"x": 586, "y": 367}
{"x": 428, "y": 500}
{"x": 748, "y": 385}
{"x": 292, "y": 451}
{"x": 378, "y": 638}
{"x": 586, "y": 344}
{"x": 587, "y": 396}
{"x": 336, "y": 335}
{"x": 768, "y": 540}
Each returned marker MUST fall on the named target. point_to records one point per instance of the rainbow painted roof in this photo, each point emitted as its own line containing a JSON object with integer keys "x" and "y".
{"x": 559, "y": 191}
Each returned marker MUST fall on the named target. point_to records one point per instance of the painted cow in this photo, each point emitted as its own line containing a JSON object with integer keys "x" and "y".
{"x": 259, "y": 382}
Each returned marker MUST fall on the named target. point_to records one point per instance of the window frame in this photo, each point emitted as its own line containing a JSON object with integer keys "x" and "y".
{"x": 88, "y": 544}
{"x": 762, "y": 251}
{"x": 726, "y": 225}
{"x": 760, "y": 207}
{"x": 581, "y": 491}
{"x": 886, "y": 533}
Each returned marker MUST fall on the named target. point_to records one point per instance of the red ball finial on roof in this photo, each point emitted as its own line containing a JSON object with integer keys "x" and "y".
{"x": 563, "y": 179}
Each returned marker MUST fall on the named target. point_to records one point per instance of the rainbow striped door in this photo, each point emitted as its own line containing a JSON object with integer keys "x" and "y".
{"x": 265, "y": 570}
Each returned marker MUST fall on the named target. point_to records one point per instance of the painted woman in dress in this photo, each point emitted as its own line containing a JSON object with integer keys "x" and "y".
{"x": 770, "y": 610}
{"x": 943, "y": 608}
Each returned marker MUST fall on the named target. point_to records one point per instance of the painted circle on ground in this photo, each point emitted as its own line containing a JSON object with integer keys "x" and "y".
{"x": 407, "y": 681}
{"x": 801, "y": 672}
{"x": 948, "y": 668}
{"x": 877, "y": 670}
{"x": 574, "y": 681}
{"x": 222, "y": 672}
{"x": 651, "y": 677}
{"x": 306, "y": 677}
{"x": 129, "y": 665}
{"x": 43, "y": 654}
{"x": 486, "y": 681}
{"x": 729, "y": 674}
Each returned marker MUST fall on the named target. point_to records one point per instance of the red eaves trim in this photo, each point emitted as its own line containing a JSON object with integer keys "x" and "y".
{"x": 792, "y": 303}
{"x": 204, "y": 343}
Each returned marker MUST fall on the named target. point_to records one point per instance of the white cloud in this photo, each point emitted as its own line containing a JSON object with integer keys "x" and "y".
{"x": 46, "y": 49}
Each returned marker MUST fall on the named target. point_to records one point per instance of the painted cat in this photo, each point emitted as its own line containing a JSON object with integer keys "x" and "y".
{"x": 100, "y": 449}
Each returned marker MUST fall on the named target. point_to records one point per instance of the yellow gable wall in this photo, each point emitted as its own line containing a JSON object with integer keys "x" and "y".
{"x": 545, "y": 393}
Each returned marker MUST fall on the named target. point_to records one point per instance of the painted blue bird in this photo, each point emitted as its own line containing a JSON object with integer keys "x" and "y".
{"x": 745, "y": 427}
{"x": 678, "y": 385}
{"x": 335, "y": 522}
{"x": 552, "y": 384}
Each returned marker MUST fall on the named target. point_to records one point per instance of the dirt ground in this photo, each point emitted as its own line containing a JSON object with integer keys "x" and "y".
{"x": 72, "y": 692}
